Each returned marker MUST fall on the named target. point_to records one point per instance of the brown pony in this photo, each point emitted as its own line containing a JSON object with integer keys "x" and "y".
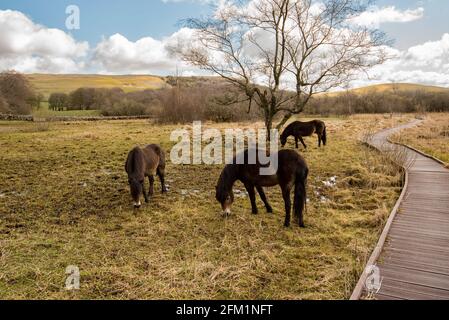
{"x": 292, "y": 172}
{"x": 300, "y": 129}
{"x": 141, "y": 163}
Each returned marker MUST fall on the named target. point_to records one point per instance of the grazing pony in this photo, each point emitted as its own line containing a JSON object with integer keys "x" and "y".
{"x": 292, "y": 173}
{"x": 141, "y": 163}
{"x": 300, "y": 129}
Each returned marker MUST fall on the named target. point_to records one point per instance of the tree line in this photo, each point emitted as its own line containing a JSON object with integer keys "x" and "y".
{"x": 205, "y": 98}
{"x": 398, "y": 101}
{"x": 187, "y": 100}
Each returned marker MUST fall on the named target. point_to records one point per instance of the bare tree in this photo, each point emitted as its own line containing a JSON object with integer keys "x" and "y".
{"x": 280, "y": 53}
{"x": 16, "y": 92}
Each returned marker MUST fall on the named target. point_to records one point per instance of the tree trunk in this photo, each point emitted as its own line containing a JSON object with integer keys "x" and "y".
{"x": 283, "y": 121}
{"x": 268, "y": 127}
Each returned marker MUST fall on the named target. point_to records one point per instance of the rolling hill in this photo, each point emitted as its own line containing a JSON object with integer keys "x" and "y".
{"x": 49, "y": 83}
{"x": 393, "y": 87}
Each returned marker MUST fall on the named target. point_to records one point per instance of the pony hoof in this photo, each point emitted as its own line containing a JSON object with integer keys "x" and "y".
{"x": 286, "y": 225}
{"x": 303, "y": 226}
{"x": 270, "y": 211}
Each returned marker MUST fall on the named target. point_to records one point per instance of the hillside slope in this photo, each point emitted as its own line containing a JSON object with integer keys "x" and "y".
{"x": 393, "y": 87}
{"x": 49, "y": 83}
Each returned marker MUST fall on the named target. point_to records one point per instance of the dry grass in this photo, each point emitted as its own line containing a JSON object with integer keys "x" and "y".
{"x": 431, "y": 136}
{"x": 64, "y": 201}
{"x": 379, "y": 88}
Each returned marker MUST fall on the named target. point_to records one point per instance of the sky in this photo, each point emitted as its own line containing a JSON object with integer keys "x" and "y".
{"x": 130, "y": 37}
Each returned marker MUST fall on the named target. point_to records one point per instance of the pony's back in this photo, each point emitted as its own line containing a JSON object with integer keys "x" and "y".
{"x": 134, "y": 160}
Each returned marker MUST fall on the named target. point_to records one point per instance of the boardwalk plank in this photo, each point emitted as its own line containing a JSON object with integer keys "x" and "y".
{"x": 414, "y": 262}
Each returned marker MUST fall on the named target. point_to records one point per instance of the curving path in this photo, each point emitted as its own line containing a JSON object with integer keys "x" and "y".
{"x": 413, "y": 251}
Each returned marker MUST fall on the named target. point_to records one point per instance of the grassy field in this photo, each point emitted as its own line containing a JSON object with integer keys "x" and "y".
{"x": 44, "y": 112}
{"x": 64, "y": 200}
{"x": 431, "y": 136}
{"x": 49, "y": 83}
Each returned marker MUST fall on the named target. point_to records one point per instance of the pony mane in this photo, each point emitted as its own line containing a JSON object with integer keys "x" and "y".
{"x": 134, "y": 161}
{"x": 288, "y": 131}
{"x": 227, "y": 179}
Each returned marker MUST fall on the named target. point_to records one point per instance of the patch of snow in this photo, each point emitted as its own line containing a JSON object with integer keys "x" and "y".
{"x": 331, "y": 182}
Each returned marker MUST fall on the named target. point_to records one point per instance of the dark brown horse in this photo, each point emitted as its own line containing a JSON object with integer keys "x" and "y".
{"x": 141, "y": 163}
{"x": 300, "y": 129}
{"x": 292, "y": 173}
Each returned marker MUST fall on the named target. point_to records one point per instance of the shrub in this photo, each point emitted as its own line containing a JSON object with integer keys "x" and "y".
{"x": 205, "y": 99}
{"x": 182, "y": 105}
{"x": 124, "y": 107}
{"x": 16, "y": 93}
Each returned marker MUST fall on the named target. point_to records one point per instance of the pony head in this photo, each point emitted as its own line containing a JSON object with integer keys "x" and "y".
{"x": 136, "y": 189}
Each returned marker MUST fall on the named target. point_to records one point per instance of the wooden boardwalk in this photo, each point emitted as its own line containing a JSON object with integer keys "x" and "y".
{"x": 413, "y": 252}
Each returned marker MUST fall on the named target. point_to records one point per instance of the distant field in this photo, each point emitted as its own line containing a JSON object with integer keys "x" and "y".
{"x": 48, "y": 83}
{"x": 391, "y": 87}
{"x": 44, "y": 112}
{"x": 431, "y": 136}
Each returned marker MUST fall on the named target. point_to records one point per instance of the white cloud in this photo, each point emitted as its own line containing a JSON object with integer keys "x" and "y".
{"x": 427, "y": 63}
{"x": 29, "y": 47}
{"x": 375, "y": 16}
{"x": 117, "y": 54}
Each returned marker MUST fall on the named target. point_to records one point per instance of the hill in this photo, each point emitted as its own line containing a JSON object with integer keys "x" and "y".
{"x": 49, "y": 83}
{"x": 393, "y": 87}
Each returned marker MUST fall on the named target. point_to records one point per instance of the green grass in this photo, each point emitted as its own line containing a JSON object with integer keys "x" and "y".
{"x": 64, "y": 200}
{"x": 44, "y": 112}
{"x": 49, "y": 83}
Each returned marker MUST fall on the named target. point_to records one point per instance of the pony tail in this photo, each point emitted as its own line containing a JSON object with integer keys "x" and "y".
{"x": 300, "y": 199}
{"x": 325, "y": 135}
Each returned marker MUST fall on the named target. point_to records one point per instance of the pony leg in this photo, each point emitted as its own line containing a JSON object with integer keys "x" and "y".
{"x": 286, "y": 191}
{"x": 144, "y": 193}
{"x": 297, "y": 142}
{"x": 252, "y": 197}
{"x": 303, "y": 143}
{"x": 264, "y": 199}
{"x": 161, "y": 174}
{"x": 319, "y": 140}
{"x": 151, "y": 191}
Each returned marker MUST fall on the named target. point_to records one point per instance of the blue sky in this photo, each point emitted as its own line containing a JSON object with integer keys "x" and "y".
{"x": 141, "y": 26}
{"x": 139, "y": 18}
{"x": 132, "y": 18}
